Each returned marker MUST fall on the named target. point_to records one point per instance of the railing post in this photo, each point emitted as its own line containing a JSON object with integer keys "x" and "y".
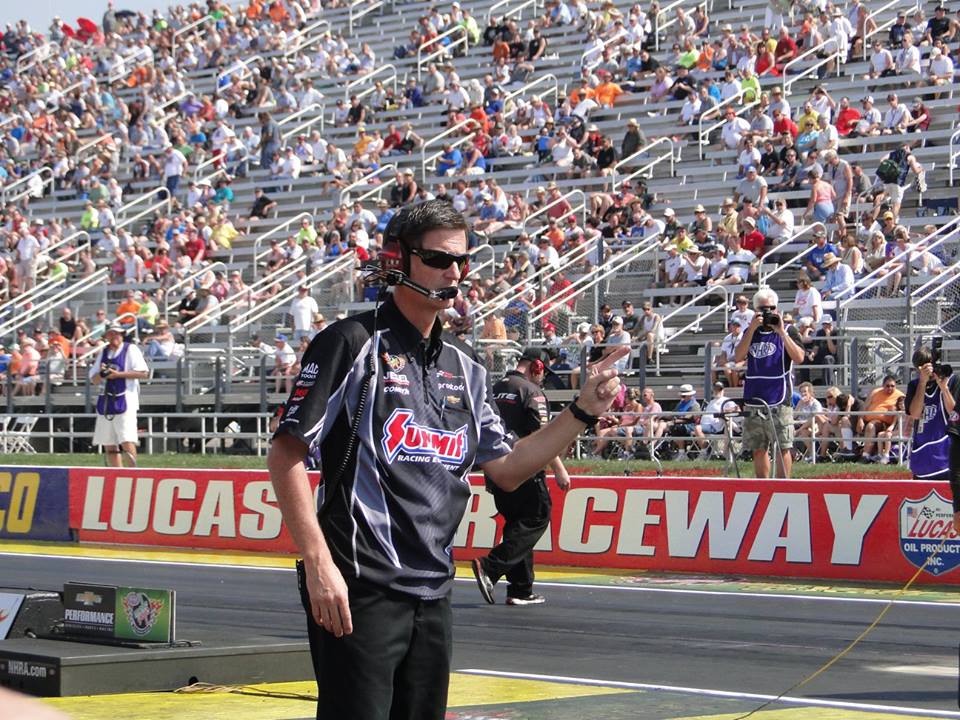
{"x": 47, "y": 386}
{"x": 583, "y": 366}
{"x": 852, "y": 366}
{"x": 179, "y": 390}
{"x": 87, "y": 402}
{"x": 10, "y": 393}
{"x": 707, "y": 367}
{"x": 218, "y": 385}
{"x": 263, "y": 383}
{"x": 642, "y": 367}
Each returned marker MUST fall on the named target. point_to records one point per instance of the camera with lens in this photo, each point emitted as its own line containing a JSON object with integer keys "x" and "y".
{"x": 940, "y": 368}
{"x": 105, "y": 369}
{"x": 769, "y": 317}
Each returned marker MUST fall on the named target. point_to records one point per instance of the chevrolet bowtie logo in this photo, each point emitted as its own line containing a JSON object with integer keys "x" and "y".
{"x": 88, "y": 598}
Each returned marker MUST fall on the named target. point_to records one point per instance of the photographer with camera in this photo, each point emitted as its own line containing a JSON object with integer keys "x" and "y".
{"x": 931, "y": 402}
{"x": 770, "y": 349}
{"x": 118, "y": 374}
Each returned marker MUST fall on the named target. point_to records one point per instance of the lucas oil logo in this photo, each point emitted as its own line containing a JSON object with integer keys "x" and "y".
{"x": 404, "y": 438}
{"x": 924, "y": 524}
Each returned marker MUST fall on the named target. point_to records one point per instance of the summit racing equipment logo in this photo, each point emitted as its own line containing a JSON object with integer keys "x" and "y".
{"x": 420, "y": 443}
{"x": 923, "y": 525}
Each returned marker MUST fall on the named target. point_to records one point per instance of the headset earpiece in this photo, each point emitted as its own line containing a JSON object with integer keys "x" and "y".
{"x": 394, "y": 233}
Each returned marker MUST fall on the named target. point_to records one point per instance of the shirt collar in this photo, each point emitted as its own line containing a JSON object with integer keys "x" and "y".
{"x": 409, "y": 336}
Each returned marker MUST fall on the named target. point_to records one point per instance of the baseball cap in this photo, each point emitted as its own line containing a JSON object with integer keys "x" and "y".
{"x": 115, "y": 327}
{"x": 583, "y": 328}
{"x": 549, "y": 326}
{"x": 281, "y": 338}
{"x": 827, "y": 319}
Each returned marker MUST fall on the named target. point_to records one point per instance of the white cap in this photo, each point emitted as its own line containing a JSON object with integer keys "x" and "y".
{"x": 583, "y": 328}
{"x": 687, "y": 389}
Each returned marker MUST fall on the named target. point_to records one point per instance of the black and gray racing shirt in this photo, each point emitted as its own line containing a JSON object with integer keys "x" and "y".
{"x": 429, "y": 418}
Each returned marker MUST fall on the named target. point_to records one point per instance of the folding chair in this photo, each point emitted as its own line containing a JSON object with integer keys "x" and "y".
{"x": 17, "y": 437}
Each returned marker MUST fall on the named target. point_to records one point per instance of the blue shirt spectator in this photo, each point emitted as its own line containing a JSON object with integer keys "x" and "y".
{"x": 839, "y": 280}
{"x": 451, "y": 159}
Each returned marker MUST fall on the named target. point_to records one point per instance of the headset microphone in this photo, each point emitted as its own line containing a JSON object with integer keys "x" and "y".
{"x": 396, "y": 277}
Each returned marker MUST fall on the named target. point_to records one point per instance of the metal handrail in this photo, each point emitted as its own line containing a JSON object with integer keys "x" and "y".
{"x": 600, "y": 273}
{"x": 36, "y": 52}
{"x": 879, "y": 28}
{"x": 389, "y": 67}
{"x": 342, "y": 263}
{"x": 143, "y": 213}
{"x": 954, "y": 154}
{"x": 183, "y": 31}
{"x": 424, "y": 160}
{"x": 564, "y": 198}
{"x": 788, "y": 80}
{"x": 306, "y": 124}
{"x": 539, "y": 277}
{"x": 725, "y": 306}
{"x": 67, "y": 240}
{"x": 241, "y": 66}
{"x": 277, "y": 276}
{"x": 874, "y": 278}
{"x": 353, "y": 17}
{"x": 25, "y": 181}
{"x": 148, "y": 195}
{"x": 365, "y": 180}
{"x": 442, "y": 49}
{"x": 765, "y": 279}
{"x": 657, "y": 27}
{"x": 714, "y": 112}
{"x": 130, "y": 63}
{"x": 92, "y": 143}
{"x": 606, "y": 43}
{"x": 672, "y": 156}
{"x": 30, "y": 296}
{"x": 55, "y": 301}
{"x": 188, "y": 280}
{"x": 549, "y": 77}
{"x": 300, "y": 34}
{"x": 258, "y": 256}
{"x": 312, "y": 107}
{"x": 490, "y": 262}
{"x": 168, "y": 103}
{"x": 706, "y": 134}
{"x": 922, "y": 294}
{"x": 517, "y": 10}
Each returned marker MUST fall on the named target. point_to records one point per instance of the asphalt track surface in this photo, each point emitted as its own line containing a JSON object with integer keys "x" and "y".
{"x": 693, "y": 652}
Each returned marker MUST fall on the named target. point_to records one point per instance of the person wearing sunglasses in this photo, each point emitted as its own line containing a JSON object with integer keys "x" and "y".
{"x": 396, "y": 413}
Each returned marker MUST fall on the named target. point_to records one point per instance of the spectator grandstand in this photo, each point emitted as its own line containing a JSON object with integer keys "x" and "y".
{"x": 199, "y": 175}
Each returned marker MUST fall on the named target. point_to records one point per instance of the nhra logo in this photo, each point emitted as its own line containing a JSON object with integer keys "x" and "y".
{"x": 402, "y": 434}
{"x": 923, "y": 525}
{"x": 762, "y": 349}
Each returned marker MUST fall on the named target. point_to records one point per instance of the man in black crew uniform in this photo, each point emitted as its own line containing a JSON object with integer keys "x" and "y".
{"x": 523, "y": 407}
{"x": 377, "y": 565}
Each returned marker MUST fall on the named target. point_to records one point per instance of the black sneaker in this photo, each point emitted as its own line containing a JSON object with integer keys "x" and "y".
{"x": 483, "y": 582}
{"x": 531, "y": 599}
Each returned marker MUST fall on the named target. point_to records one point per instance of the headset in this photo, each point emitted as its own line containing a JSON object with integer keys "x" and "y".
{"x": 395, "y": 235}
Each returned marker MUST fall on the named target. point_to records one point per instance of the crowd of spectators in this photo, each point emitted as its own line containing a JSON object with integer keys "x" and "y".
{"x": 126, "y": 87}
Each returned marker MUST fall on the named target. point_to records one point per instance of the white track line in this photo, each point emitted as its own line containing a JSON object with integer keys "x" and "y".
{"x": 559, "y": 585}
{"x": 788, "y": 700}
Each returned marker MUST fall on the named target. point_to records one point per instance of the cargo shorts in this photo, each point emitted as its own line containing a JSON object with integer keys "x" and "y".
{"x": 758, "y": 432}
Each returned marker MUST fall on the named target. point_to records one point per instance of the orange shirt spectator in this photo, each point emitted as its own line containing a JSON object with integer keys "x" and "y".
{"x": 607, "y": 93}
{"x": 254, "y": 9}
{"x": 128, "y": 305}
{"x": 278, "y": 13}
{"x": 883, "y": 402}
{"x": 555, "y": 236}
{"x": 501, "y": 50}
{"x": 64, "y": 343}
{"x": 705, "y": 60}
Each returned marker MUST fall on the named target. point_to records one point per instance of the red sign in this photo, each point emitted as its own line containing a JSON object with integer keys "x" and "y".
{"x": 839, "y": 529}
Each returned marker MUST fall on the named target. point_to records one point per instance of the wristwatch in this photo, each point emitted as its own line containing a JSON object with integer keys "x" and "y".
{"x": 582, "y": 415}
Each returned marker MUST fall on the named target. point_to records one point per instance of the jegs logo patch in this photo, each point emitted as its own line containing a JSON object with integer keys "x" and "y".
{"x": 418, "y": 443}
{"x": 394, "y": 362}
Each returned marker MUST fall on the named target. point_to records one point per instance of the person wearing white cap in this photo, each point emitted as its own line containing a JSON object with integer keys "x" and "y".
{"x": 617, "y": 336}
{"x": 686, "y": 424}
{"x": 117, "y": 374}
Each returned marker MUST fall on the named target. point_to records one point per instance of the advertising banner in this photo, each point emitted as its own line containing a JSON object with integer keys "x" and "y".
{"x": 835, "y": 529}
{"x": 119, "y": 613}
{"x": 9, "y": 607}
{"x": 34, "y": 504}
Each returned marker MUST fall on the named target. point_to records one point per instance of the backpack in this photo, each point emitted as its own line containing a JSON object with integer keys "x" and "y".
{"x": 889, "y": 171}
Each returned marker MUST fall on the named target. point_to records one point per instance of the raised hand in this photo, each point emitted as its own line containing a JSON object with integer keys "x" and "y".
{"x": 602, "y": 385}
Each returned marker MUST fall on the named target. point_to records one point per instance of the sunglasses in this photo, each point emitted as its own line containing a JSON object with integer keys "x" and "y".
{"x": 440, "y": 260}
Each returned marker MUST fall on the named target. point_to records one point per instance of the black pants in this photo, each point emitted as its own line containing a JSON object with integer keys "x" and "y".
{"x": 394, "y": 666}
{"x": 954, "y": 473}
{"x": 527, "y": 514}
